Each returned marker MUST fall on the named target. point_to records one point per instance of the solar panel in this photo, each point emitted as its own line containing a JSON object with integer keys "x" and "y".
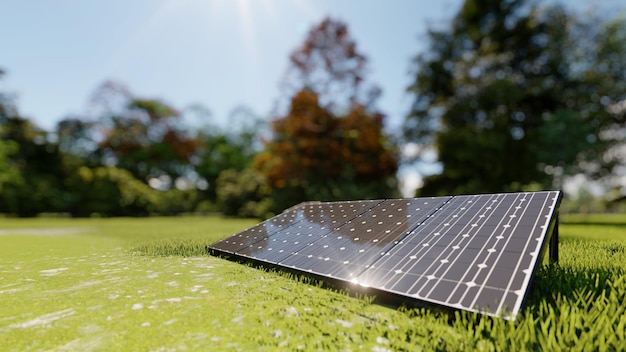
{"x": 471, "y": 252}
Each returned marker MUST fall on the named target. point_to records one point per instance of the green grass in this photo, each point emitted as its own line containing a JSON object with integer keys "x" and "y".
{"x": 147, "y": 284}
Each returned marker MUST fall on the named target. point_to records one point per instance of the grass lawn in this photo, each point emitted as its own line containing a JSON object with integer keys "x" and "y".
{"x": 147, "y": 284}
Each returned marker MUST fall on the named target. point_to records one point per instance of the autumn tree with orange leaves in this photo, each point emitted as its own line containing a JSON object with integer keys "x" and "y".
{"x": 330, "y": 144}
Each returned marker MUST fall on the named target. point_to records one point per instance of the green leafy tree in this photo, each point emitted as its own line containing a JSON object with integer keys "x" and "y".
{"x": 40, "y": 186}
{"x": 233, "y": 148}
{"x": 143, "y": 136}
{"x": 504, "y": 98}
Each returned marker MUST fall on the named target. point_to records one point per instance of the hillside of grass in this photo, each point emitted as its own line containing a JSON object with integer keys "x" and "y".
{"x": 147, "y": 284}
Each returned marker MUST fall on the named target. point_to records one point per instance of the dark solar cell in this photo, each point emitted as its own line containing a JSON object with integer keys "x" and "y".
{"x": 473, "y": 252}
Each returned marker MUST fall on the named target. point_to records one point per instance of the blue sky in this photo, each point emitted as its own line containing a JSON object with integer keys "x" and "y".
{"x": 219, "y": 53}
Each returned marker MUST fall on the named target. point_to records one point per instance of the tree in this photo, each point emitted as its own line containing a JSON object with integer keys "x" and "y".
{"x": 316, "y": 155}
{"x": 231, "y": 149}
{"x": 143, "y": 136}
{"x": 9, "y": 175}
{"x": 330, "y": 144}
{"x": 503, "y": 97}
{"x": 329, "y": 64}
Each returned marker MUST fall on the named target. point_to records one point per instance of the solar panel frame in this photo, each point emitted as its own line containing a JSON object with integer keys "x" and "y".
{"x": 480, "y": 252}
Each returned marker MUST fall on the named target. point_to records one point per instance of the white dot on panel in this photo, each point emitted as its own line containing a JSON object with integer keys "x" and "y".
{"x": 310, "y": 256}
{"x": 463, "y": 208}
{"x": 346, "y": 262}
{"x": 513, "y": 216}
{"x": 482, "y": 265}
{"x": 455, "y": 216}
{"x": 446, "y": 224}
{"x": 398, "y": 271}
{"x": 436, "y": 234}
{"x": 465, "y": 235}
{"x": 412, "y": 257}
{"x": 342, "y": 248}
{"x": 380, "y": 223}
{"x": 387, "y": 231}
{"x": 518, "y": 207}
{"x": 499, "y": 237}
{"x": 470, "y": 284}
{"x": 474, "y": 225}
{"x": 361, "y": 250}
{"x": 431, "y": 277}
{"x": 443, "y": 261}
{"x": 375, "y": 240}
{"x": 488, "y": 208}
{"x": 425, "y": 245}
{"x": 356, "y": 238}
{"x": 495, "y": 200}
{"x": 491, "y": 250}
{"x": 481, "y": 216}
{"x": 369, "y": 230}
{"x": 326, "y": 259}
{"x": 506, "y": 226}
{"x": 456, "y": 247}
{"x": 352, "y": 229}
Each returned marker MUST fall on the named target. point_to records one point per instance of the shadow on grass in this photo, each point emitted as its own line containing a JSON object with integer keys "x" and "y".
{"x": 553, "y": 281}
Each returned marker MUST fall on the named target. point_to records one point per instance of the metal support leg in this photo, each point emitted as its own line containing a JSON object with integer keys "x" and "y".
{"x": 554, "y": 241}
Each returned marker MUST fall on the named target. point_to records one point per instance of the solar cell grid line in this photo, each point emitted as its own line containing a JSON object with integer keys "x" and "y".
{"x": 542, "y": 220}
{"x": 436, "y": 255}
{"x": 254, "y": 234}
{"x": 310, "y": 223}
{"x": 419, "y": 243}
{"x": 500, "y": 300}
{"x": 354, "y": 245}
{"x": 477, "y": 279}
{"x": 446, "y": 263}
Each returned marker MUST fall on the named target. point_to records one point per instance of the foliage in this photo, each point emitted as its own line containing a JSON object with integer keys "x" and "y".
{"x": 506, "y": 97}
{"x": 143, "y": 136}
{"x": 330, "y": 144}
{"x": 316, "y": 155}
{"x": 221, "y": 150}
{"x": 329, "y": 64}
{"x": 242, "y": 193}
{"x": 38, "y": 185}
{"x": 111, "y": 191}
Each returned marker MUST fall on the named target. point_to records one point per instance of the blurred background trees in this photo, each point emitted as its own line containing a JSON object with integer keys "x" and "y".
{"x": 508, "y": 96}
{"x": 330, "y": 144}
{"x": 513, "y": 95}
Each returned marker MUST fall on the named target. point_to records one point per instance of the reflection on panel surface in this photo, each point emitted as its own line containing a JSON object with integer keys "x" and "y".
{"x": 473, "y": 252}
